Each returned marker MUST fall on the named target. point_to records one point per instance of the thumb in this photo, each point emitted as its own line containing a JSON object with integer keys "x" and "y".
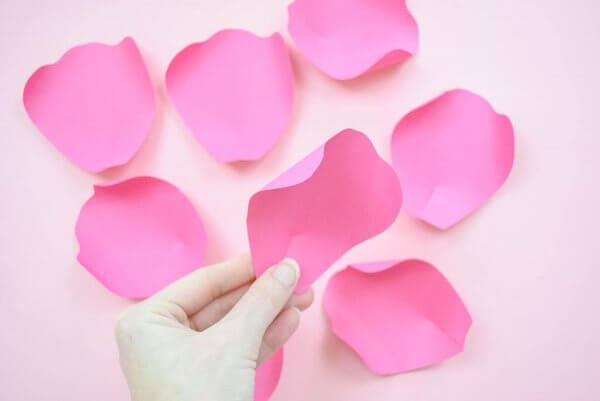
{"x": 263, "y": 301}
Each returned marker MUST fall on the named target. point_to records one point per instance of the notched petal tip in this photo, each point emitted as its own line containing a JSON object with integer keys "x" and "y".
{"x": 95, "y": 104}
{"x": 348, "y": 39}
{"x": 138, "y": 235}
{"x": 204, "y": 77}
{"x": 451, "y": 155}
{"x": 338, "y": 196}
{"x": 397, "y": 316}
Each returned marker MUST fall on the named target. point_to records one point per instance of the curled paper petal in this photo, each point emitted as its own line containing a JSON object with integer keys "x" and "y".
{"x": 451, "y": 155}
{"x": 338, "y": 196}
{"x": 267, "y": 376}
{"x": 396, "y": 315}
{"x": 235, "y": 92}
{"x": 347, "y": 38}
{"x": 139, "y": 235}
{"x": 95, "y": 104}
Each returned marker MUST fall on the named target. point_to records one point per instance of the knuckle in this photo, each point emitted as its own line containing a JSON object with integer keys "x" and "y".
{"x": 125, "y": 323}
{"x": 272, "y": 296}
{"x": 122, "y": 326}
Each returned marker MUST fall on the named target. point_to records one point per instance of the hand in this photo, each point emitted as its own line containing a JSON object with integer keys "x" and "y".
{"x": 202, "y": 337}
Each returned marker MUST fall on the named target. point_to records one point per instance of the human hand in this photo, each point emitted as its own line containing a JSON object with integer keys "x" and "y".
{"x": 202, "y": 337}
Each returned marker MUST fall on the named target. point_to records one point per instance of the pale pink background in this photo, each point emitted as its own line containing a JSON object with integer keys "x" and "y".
{"x": 525, "y": 264}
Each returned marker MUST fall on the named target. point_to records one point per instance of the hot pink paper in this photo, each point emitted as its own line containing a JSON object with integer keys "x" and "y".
{"x": 338, "y": 196}
{"x": 396, "y": 315}
{"x": 451, "y": 155}
{"x": 235, "y": 92}
{"x": 347, "y": 38}
{"x": 138, "y": 235}
{"x": 95, "y": 104}
{"x": 267, "y": 376}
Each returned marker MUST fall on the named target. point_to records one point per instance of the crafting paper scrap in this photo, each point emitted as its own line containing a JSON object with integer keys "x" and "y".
{"x": 95, "y": 104}
{"x": 267, "y": 376}
{"x": 396, "y": 315}
{"x": 347, "y": 38}
{"x": 338, "y": 196}
{"x": 451, "y": 155}
{"x": 235, "y": 92}
{"x": 139, "y": 235}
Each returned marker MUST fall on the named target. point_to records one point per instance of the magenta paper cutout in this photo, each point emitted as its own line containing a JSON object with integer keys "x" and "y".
{"x": 267, "y": 376}
{"x": 451, "y": 155}
{"x": 139, "y": 235}
{"x": 95, "y": 104}
{"x": 341, "y": 194}
{"x": 396, "y": 315}
{"x": 347, "y": 38}
{"x": 235, "y": 92}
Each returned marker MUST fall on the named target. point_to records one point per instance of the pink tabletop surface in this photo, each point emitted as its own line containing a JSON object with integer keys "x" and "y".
{"x": 523, "y": 264}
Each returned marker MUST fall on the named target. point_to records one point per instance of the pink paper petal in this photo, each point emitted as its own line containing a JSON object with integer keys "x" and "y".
{"x": 338, "y": 196}
{"x": 451, "y": 155}
{"x": 347, "y": 38}
{"x": 267, "y": 376}
{"x": 139, "y": 235}
{"x": 95, "y": 104}
{"x": 397, "y": 316}
{"x": 235, "y": 91}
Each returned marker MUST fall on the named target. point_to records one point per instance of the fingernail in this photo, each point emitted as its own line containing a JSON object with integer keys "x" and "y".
{"x": 287, "y": 272}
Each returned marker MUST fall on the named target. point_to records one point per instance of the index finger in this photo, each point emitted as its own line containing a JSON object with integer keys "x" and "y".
{"x": 197, "y": 289}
